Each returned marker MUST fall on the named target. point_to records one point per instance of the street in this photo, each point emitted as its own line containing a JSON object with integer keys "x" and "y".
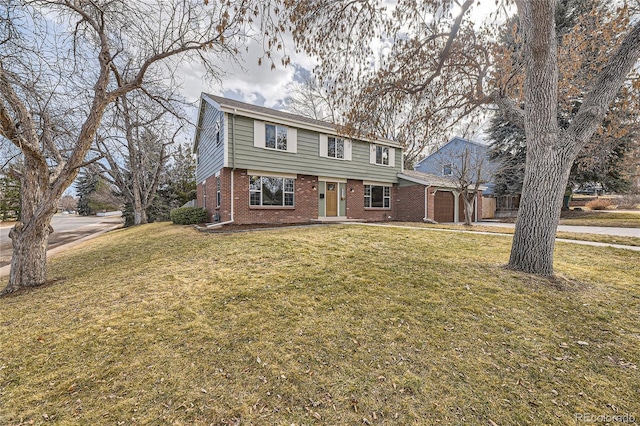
{"x": 66, "y": 229}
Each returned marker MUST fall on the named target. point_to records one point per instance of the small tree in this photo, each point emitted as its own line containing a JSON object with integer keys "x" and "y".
{"x": 68, "y": 203}
{"x": 9, "y": 197}
{"x": 469, "y": 169}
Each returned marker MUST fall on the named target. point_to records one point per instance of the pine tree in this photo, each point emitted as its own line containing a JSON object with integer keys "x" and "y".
{"x": 85, "y": 186}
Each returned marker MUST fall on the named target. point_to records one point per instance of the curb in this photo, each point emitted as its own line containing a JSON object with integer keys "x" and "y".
{"x": 4, "y": 271}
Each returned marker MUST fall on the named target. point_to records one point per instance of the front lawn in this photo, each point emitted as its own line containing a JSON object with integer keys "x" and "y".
{"x": 342, "y": 324}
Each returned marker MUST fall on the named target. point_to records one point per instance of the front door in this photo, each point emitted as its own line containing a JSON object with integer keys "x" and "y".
{"x": 332, "y": 199}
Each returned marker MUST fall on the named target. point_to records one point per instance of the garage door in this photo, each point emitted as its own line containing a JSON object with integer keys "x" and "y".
{"x": 461, "y": 211}
{"x": 444, "y": 206}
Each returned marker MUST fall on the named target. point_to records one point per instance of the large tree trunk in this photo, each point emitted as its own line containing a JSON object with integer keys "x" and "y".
{"x": 544, "y": 185}
{"x": 550, "y": 152}
{"x": 544, "y": 181}
{"x": 29, "y": 261}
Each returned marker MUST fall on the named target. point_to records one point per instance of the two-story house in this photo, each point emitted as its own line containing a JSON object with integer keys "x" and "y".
{"x": 259, "y": 165}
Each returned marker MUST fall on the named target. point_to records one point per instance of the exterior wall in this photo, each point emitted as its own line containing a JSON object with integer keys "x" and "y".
{"x": 410, "y": 203}
{"x": 355, "y": 204}
{"x": 452, "y": 153}
{"x": 305, "y": 202}
{"x": 307, "y": 158}
{"x": 306, "y": 205}
{"x": 210, "y": 151}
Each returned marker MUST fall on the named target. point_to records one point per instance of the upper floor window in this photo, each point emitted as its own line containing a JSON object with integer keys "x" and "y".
{"x": 271, "y": 191}
{"x": 275, "y": 137}
{"x": 446, "y": 169}
{"x": 382, "y": 155}
{"x": 335, "y": 147}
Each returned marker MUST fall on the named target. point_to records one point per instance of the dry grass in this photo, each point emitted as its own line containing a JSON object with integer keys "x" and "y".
{"x": 600, "y": 218}
{"x": 324, "y": 325}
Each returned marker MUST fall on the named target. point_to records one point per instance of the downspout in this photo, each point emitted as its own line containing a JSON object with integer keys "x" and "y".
{"x": 426, "y": 212}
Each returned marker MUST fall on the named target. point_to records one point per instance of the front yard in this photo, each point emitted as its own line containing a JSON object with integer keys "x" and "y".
{"x": 320, "y": 325}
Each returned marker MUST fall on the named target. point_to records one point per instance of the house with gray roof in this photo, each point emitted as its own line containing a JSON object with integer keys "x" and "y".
{"x": 259, "y": 165}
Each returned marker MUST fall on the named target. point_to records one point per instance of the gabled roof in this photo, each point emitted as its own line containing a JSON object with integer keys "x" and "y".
{"x": 262, "y": 113}
{"x": 455, "y": 139}
{"x": 429, "y": 179}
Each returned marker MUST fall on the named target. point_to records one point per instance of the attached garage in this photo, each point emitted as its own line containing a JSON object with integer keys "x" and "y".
{"x": 444, "y": 206}
{"x": 422, "y": 196}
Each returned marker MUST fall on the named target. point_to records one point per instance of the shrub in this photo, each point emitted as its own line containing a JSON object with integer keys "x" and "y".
{"x": 188, "y": 215}
{"x": 599, "y": 204}
{"x": 629, "y": 202}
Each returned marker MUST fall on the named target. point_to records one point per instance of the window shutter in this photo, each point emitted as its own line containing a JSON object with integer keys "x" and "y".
{"x": 347, "y": 149}
{"x": 392, "y": 156}
{"x": 372, "y": 154}
{"x": 324, "y": 141}
{"x": 292, "y": 140}
{"x": 258, "y": 134}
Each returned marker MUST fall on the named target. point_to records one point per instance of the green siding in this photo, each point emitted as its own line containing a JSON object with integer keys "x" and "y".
{"x": 321, "y": 203}
{"x": 342, "y": 206}
{"x": 307, "y": 160}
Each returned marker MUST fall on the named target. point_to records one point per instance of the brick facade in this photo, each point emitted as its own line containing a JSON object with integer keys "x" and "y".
{"x": 410, "y": 203}
{"x": 407, "y": 202}
{"x": 355, "y": 204}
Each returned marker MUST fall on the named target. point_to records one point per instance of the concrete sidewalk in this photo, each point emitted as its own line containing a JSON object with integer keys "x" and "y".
{"x": 601, "y": 230}
{"x": 564, "y": 240}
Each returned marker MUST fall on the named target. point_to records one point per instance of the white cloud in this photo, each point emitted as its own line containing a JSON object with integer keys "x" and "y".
{"x": 248, "y": 82}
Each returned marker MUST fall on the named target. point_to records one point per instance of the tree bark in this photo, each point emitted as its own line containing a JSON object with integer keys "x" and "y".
{"x": 544, "y": 185}
{"x": 28, "y": 264}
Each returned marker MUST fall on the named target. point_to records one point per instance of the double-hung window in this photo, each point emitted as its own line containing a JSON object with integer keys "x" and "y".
{"x": 335, "y": 147}
{"x": 271, "y": 191}
{"x": 446, "y": 169}
{"x": 382, "y": 155}
{"x": 275, "y": 137}
{"x": 377, "y": 196}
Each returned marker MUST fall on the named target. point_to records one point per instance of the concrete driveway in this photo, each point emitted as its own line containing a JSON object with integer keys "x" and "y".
{"x": 67, "y": 229}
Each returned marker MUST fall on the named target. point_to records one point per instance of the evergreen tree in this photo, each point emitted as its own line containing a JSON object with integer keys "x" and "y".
{"x": 600, "y": 161}
{"x": 9, "y": 197}
{"x": 85, "y": 186}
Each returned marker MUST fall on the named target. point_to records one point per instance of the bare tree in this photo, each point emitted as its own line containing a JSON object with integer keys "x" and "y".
{"x": 310, "y": 98}
{"x": 435, "y": 47}
{"x": 64, "y": 61}
{"x": 134, "y": 143}
{"x": 469, "y": 170}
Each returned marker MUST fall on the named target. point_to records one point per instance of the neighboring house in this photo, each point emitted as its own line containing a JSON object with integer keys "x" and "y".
{"x": 260, "y": 165}
{"x": 447, "y": 162}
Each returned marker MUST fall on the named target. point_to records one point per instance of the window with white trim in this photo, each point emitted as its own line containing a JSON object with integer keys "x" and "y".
{"x": 446, "y": 169}
{"x": 271, "y": 191}
{"x": 218, "y": 197}
{"x": 377, "y": 196}
{"x": 382, "y": 155}
{"x": 335, "y": 147}
{"x": 275, "y": 137}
